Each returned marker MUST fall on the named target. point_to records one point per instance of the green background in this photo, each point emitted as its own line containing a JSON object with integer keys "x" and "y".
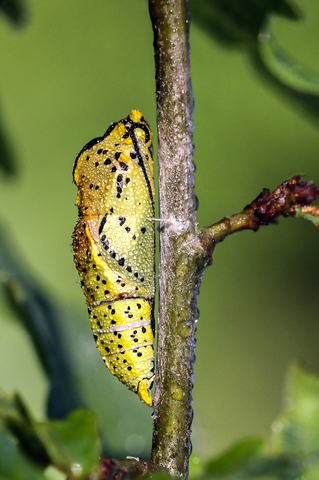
{"x": 74, "y": 68}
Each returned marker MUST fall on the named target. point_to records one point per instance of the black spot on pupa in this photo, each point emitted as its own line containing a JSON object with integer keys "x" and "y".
{"x": 139, "y": 354}
{"x": 107, "y": 162}
{"x": 139, "y": 305}
{"x": 107, "y": 349}
{"x": 127, "y": 180}
{"x": 104, "y": 282}
{"x": 143, "y": 329}
{"x": 117, "y": 155}
{"x": 97, "y": 187}
{"x": 106, "y": 292}
{"x": 134, "y": 237}
{"x": 97, "y": 164}
{"x": 113, "y": 169}
{"x": 120, "y": 346}
{"x": 127, "y": 229}
{"x": 113, "y": 311}
{"x": 105, "y": 152}
{"x": 91, "y": 186}
{"x": 123, "y": 166}
{"x": 129, "y": 368}
{"x": 136, "y": 275}
{"x": 143, "y": 230}
{"x": 103, "y": 222}
{"x": 129, "y": 269}
{"x": 88, "y": 158}
{"x": 122, "y": 221}
{"x": 112, "y": 253}
{"x": 133, "y": 155}
{"x": 100, "y": 150}
{"x": 121, "y": 262}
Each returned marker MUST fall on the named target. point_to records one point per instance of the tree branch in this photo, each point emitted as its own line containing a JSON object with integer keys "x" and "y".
{"x": 289, "y": 199}
{"x": 182, "y": 255}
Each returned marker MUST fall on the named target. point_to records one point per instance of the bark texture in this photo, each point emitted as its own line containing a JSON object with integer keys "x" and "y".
{"x": 181, "y": 251}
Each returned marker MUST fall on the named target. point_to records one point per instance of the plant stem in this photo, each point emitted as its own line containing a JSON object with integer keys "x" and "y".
{"x": 291, "y": 199}
{"x": 181, "y": 252}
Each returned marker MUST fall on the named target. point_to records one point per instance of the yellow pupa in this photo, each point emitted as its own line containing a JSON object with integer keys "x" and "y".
{"x": 113, "y": 244}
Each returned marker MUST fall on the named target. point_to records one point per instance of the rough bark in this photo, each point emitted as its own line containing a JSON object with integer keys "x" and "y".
{"x": 181, "y": 251}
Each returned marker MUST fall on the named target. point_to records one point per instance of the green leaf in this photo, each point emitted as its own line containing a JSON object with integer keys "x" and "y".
{"x": 297, "y": 429}
{"x": 72, "y": 444}
{"x": 247, "y": 460}
{"x": 14, "y": 414}
{"x": 296, "y": 432}
{"x": 245, "y": 24}
{"x": 290, "y": 76}
{"x": 13, "y": 464}
{"x": 238, "y": 22}
{"x": 238, "y": 458}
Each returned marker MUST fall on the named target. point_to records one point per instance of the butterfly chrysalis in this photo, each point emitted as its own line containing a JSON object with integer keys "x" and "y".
{"x": 114, "y": 244}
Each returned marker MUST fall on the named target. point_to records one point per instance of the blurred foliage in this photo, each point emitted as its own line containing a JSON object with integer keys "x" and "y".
{"x": 72, "y": 445}
{"x": 14, "y": 10}
{"x": 7, "y": 157}
{"x": 39, "y": 318}
{"x": 238, "y": 23}
{"x": 246, "y": 25}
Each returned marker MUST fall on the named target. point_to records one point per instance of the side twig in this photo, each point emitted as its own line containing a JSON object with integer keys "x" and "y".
{"x": 289, "y": 199}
